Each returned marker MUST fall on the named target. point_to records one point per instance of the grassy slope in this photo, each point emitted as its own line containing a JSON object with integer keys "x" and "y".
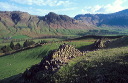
{"x": 22, "y": 29}
{"x": 97, "y": 66}
{"x": 119, "y": 42}
{"x": 116, "y": 29}
{"x": 17, "y": 63}
{"x": 1, "y": 40}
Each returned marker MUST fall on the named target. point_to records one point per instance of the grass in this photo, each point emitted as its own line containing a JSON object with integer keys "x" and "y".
{"x": 20, "y": 37}
{"x": 101, "y": 66}
{"x": 32, "y": 31}
{"x": 35, "y": 40}
{"x": 17, "y": 63}
{"x": 1, "y": 40}
{"x": 48, "y": 39}
{"x": 71, "y": 31}
{"x": 107, "y": 65}
{"x": 117, "y": 29}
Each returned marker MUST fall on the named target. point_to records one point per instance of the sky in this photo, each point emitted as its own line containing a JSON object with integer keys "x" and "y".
{"x": 64, "y": 7}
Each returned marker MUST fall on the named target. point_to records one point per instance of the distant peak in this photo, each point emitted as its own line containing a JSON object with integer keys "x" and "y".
{"x": 52, "y": 14}
{"x": 126, "y": 10}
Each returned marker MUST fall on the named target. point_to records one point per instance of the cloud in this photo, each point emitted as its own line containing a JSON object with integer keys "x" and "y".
{"x": 43, "y": 2}
{"x": 116, "y": 6}
{"x": 7, "y": 7}
{"x": 34, "y": 11}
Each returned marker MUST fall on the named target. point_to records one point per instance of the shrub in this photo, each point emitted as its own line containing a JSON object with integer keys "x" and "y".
{"x": 12, "y": 45}
{"x": 17, "y": 46}
{"x": 6, "y": 49}
{"x": 43, "y": 41}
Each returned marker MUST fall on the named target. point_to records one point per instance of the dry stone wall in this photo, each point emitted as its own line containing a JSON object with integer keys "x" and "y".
{"x": 51, "y": 63}
{"x": 66, "y": 52}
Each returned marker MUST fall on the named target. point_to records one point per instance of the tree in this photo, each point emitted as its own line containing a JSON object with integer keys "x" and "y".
{"x": 26, "y": 44}
{"x": 17, "y": 46}
{"x": 6, "y": 49}
{"x": 31, "y": 43}
{"x": 43, "y": 41}
{"x": 1, "y": 51}
{"x": 12, "y": 45}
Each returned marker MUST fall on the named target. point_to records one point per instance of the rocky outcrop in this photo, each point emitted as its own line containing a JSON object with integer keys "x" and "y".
{"x": 63, "y": 21}
{"x": 51, "y": 63}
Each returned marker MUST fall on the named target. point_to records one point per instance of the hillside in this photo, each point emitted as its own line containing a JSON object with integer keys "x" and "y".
{"x": 120, "y": 42}
{"x": 118, "y": 19}
{"x": 68, "y": 64}
{"x": 14, "y": 23}
{"x": 17, "y": 63}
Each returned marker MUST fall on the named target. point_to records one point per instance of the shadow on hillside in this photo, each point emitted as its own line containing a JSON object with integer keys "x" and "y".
{"x": 121, "y": 42}
{"x": 96, "y": 37}
{"x": 103, "y": 72}
{"x": 91, "y": 47}
{"x": 11, "y": 79}
{"x": 109, "y": 72}
{"x": 85, "y": 48}
{"x": 116, "y": 44}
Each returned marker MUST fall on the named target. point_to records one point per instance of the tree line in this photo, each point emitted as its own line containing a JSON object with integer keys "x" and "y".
{"x": 12, "y": 46}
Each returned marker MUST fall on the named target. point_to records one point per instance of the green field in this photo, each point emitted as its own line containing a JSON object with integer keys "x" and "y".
{"x": 1, "y": 40}
{"x": 20, "y": 37}
{"x": 35, "y": 40}
{"x": 17, "y": 63}
{"x": 48, "y": 39}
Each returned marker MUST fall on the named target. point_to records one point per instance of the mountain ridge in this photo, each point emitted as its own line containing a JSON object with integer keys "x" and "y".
{"x": 17, "y": 22}
{"x": 14, "y": 23}
{"x": 118, "y": 19}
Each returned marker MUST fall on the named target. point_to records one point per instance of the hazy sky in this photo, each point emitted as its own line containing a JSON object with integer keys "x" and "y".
{"x": 66, "y": 7}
